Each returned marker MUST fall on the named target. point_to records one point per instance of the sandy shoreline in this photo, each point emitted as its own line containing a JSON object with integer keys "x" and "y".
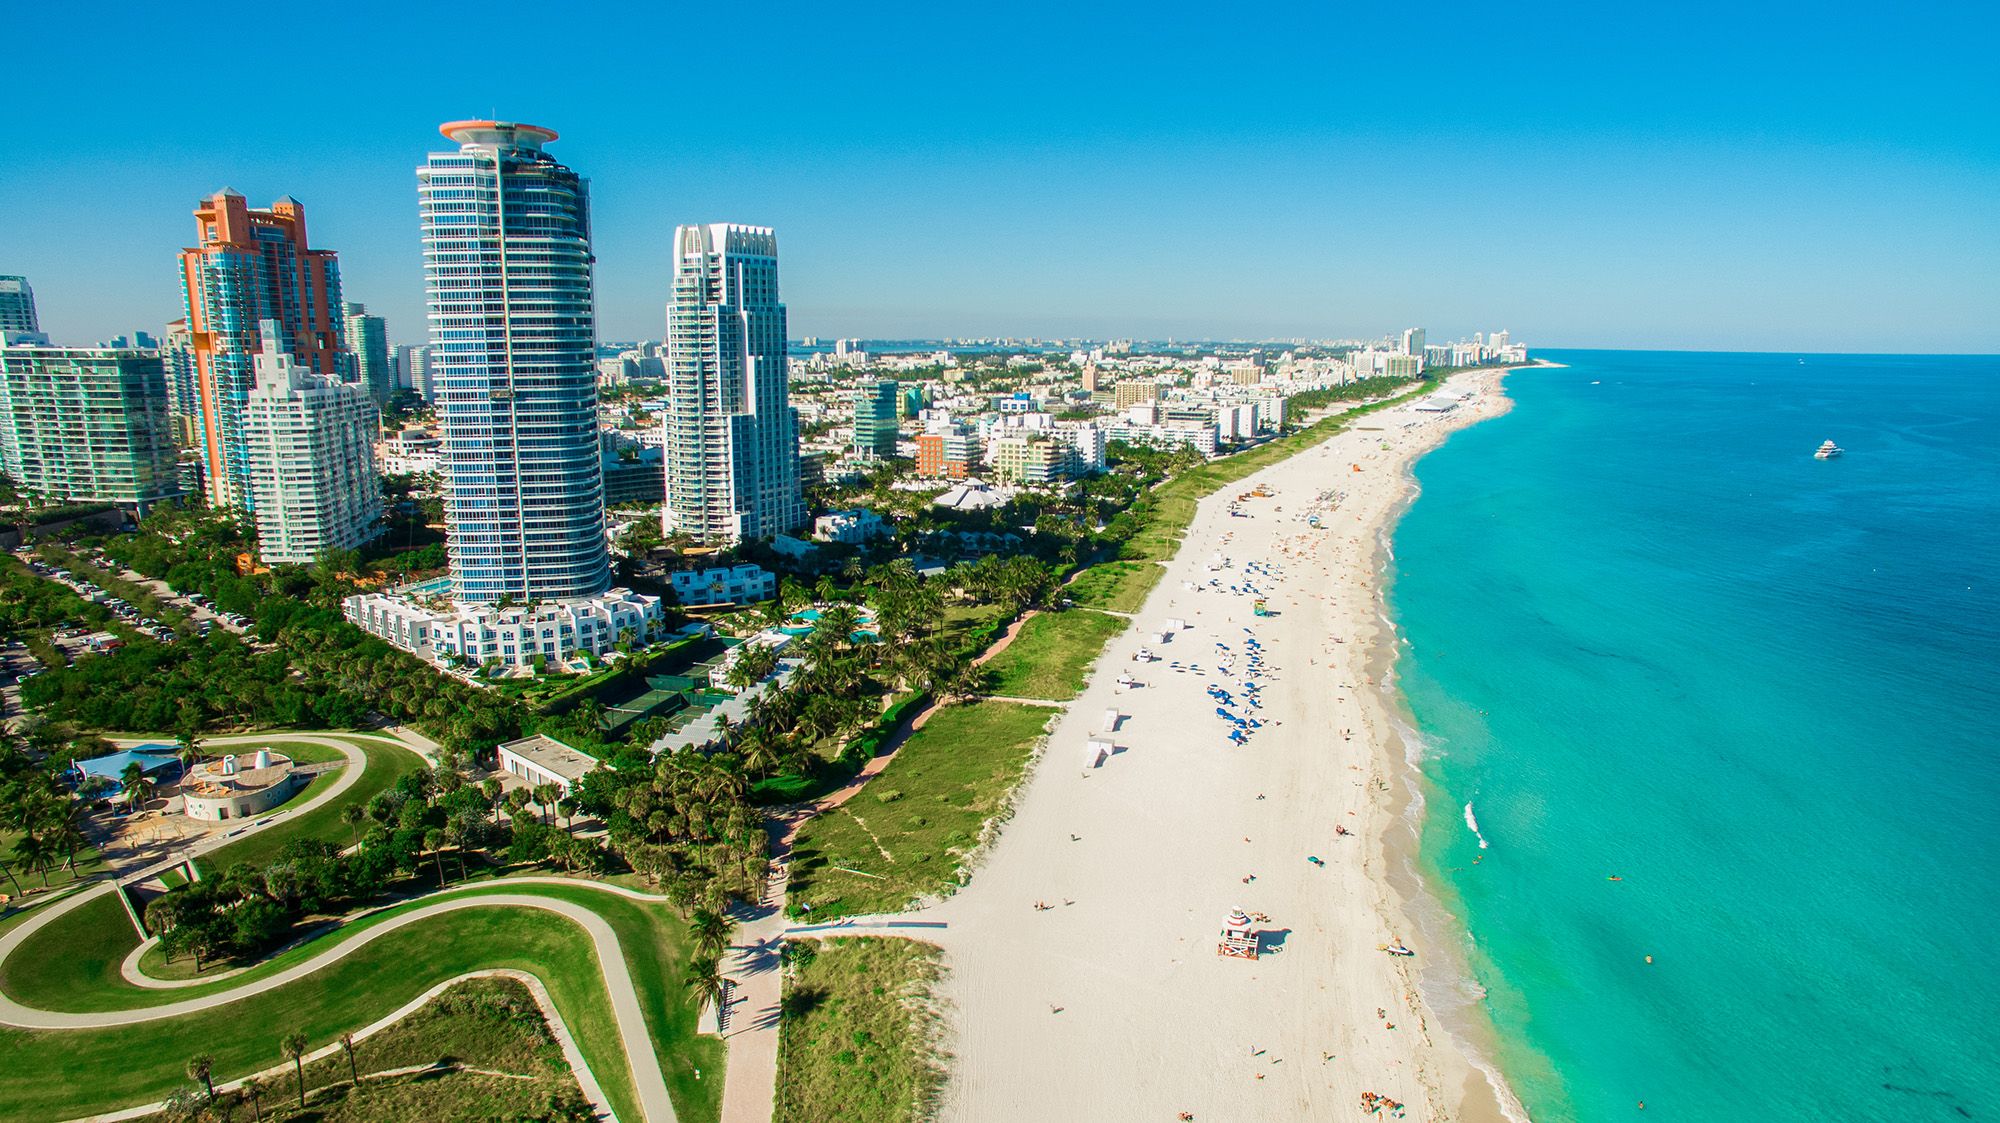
{"x": 1113, "y": 1003}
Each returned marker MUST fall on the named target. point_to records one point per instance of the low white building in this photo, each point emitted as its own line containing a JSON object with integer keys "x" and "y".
{"x": 514, "y": 636}
{"x": 542, "y": 760}
{"x": 851, "y": 527}
{"x": 739, "y": 584}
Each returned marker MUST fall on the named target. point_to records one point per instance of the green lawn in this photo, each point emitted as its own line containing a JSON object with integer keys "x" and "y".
{"x": 386, "y": 764}
{"x": 1120, "y": 586}
{"x": 59, "y": 1074}
{"x": 1052, "y": 655}
{"x": 488, "y": 1023}
{"x": 859, "y": 1039}
{"x": 88, "y": 864}
{"x": 926, "y": 809}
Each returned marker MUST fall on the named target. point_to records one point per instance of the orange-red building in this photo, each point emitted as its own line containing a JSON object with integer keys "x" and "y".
{"x": 948, "y": 455}
{"x": 249, "y": 266}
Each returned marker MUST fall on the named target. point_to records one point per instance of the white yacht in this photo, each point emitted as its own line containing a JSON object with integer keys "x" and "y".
{"x": 1827, "y": 451}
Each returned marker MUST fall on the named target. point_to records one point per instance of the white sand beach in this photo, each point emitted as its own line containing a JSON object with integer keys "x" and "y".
{"x": 1113, "y": 1004}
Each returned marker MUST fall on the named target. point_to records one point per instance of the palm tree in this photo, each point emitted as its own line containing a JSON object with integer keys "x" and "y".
{"x": 188, "y": 747}
{"x": 434, "y": 842}
{"x": 8, "y": 872}
{"x": 353, "y": 1068}
{"x": 293, "y": 1045}
{"x": 354, "y": 814}
{"x": 491, "y": 788}
{"x": 137, "y": 785}
{"x": 546, "y": 796}
{"x": 253, "y": 1090}
{"x": 566, "y": 807}
{"x": 705, "y": 982}
{"x": 710, "y": 932}
{"x": 201, "y": 1067}
{"x": 37, "y": 853}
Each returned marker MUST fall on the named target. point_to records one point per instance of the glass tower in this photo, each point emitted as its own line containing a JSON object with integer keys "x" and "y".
{"x": 732, "y": 440}
{"x": 512, "y": 338}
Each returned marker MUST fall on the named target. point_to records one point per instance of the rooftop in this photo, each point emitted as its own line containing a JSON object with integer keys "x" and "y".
{"x": 552, "y": 756}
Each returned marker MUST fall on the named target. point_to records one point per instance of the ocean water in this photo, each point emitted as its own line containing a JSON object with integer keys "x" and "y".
{"x": 1720, "y": 703}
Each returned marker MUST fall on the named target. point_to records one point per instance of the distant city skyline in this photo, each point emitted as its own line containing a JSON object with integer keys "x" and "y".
{"x": 1582, "y": 176}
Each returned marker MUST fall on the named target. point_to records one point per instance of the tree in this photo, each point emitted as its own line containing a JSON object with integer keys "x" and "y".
{"x": 434, "y": 842}
{"x": 710, "y": 931}
{"x": 253, "y": 1090}
{"x": 354, "y": 814}
{"x": 546, "y": 796}
{"x": 293, "y": 1045}
{"x": 566, "y": 807}
{"x": 353, "y": 1067}
{"x": 705, "y": 982}
{"x": 201, "y": 1067}
{"x": 138, "y": 787}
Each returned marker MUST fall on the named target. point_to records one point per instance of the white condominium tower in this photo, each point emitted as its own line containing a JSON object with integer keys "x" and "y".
{"x": 732, "y": 443}
{"x": 507, "y": 280}
{"x": 309, "y": 444}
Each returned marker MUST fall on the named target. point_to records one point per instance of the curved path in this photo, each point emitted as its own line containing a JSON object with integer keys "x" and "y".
{"x": 648, "y": 1081}
{"x": 586, "y": 1080}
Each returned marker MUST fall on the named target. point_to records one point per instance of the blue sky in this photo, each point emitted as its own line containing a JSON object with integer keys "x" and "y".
{"x": 1730, "y": 176}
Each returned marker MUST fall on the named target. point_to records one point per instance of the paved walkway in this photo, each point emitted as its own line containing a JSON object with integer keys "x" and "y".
{"x": 753, "y": 964}
{"x": 647, "y": 1078}
{"x": 585, "y": 1079}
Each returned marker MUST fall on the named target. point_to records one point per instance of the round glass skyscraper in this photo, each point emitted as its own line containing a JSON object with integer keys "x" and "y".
{"x": 507, "y": 277}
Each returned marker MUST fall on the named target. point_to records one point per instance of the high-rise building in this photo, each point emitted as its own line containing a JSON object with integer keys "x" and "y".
{"x": 249, "y": 267}
{"x": 368, "y": 344}
{"x": 875, "y": 428}
{"x": 86, "y": 424}
{"x": 413, "y": 370}
{"x": 1413, "y": 342}
{"x": 732, "y": 443}
{"x": 310, "y": 443}
{"x": 17, "y": 305}
{"x": 507, "y": 277}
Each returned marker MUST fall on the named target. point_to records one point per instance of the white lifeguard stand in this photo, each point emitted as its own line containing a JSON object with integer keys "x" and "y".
{"x": 1238, "y": 940}
{"x": 1096, "y": 752}
{"x": 1111, "y": 720}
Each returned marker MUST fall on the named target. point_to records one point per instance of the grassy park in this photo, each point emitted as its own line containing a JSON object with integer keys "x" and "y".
{"x": 61, "y": 1074}
{"x": 908, "y": 834}
{"x": 859, "y": 1040}
{"x": 1051, "y": 656}
{"x": 489, "y": 1023}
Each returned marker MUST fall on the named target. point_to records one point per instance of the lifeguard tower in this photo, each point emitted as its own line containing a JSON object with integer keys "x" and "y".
{"x": 1238, "y": 940}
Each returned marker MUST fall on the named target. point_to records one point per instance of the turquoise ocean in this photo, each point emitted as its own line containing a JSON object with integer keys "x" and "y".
{"x": 1648, "y": 637}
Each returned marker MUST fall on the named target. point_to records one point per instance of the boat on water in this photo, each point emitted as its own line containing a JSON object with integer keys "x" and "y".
{"x": 1828, "y": 451}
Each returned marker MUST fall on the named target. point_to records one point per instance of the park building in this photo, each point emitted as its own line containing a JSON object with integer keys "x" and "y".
{"x": 86, "y": 424}
{"x": 309, "y": 442}
{"x": 541, "y": 759}
{"x": 233, "y": 787}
